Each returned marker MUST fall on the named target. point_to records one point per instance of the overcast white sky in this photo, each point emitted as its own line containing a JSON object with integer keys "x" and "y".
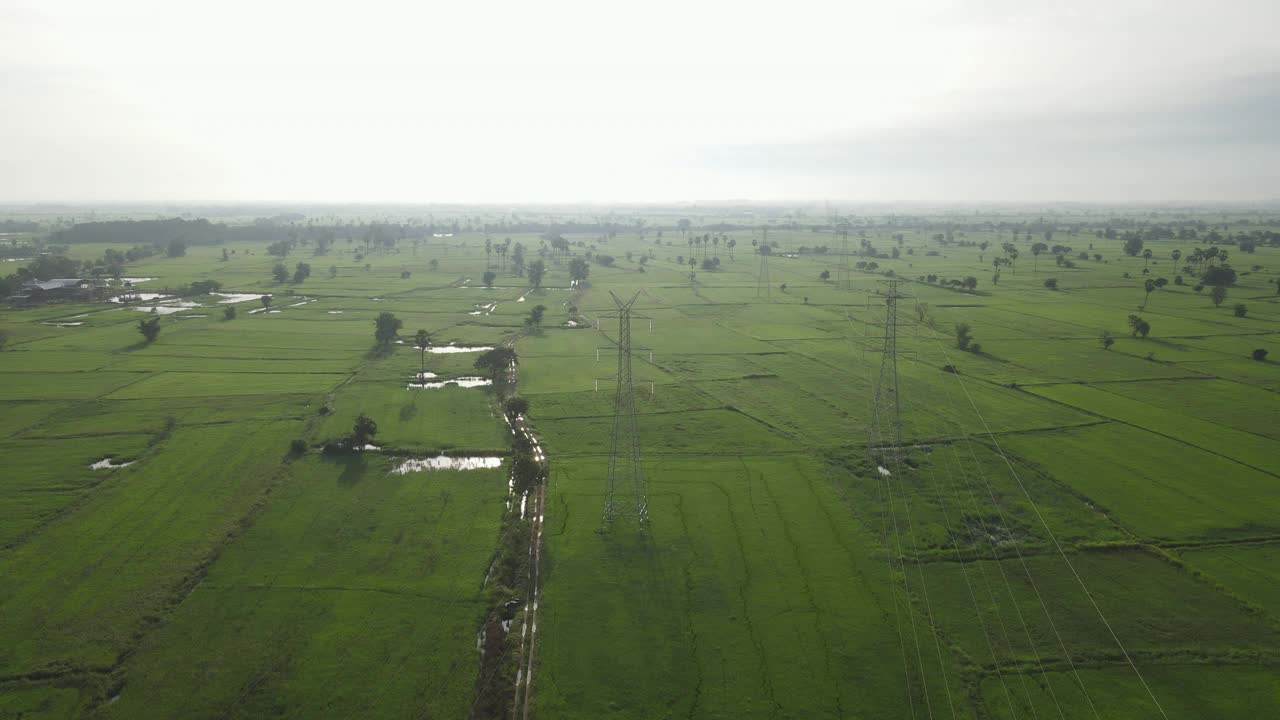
{"x": 584, "y": 100}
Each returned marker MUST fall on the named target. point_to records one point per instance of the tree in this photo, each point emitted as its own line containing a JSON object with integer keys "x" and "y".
{"x": 536, "y": 270}
{"x": 229, "y": 312}
{"x": 1149, "y": 286}
{"x": 963, "y": 336}
{"x": 333, "y": 271}
{"x": 177, "y": 248}
{"x": 496, "y": 361}
{"x": 579, "y": 269}
{"x": 386, "y": 327}
{"x": 150, "y": 329}
{"x": 1260, "y": 354}
{"x": 266, "y": 302}
{"x": 1146, "y": 257}
{"x": 1051, "y": 283}
{"x": 1107, "y": 340}
{"x": 1133, "y": 245}
{"x": 1217, "y": 295}
{"x": 488, "y": 278}
{"x": 301, "y": 272}
{"x": 516, "y": 406}
{"x": 421, "y": 340}
{"x": 535, "y": 316}
{"x": 1035, "y": 254}
{"x": 363, "y": 431}
{"x": 1240, "y": 310}
{"x": 969, "y": 283}
{"x": 1176, "y": 255}
{"x": 225, "y": 257}
{"x": 1138, "y": 326}
{"x": 280, "y": 272}
{"x": 825, "y": 275}
{"x": 1219, "y": 275}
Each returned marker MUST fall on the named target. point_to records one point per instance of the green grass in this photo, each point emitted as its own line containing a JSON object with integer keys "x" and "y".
{"x": 1155, "y": 486}
{"x": 350, "y": 572}
{"x": 1251, "y": 572}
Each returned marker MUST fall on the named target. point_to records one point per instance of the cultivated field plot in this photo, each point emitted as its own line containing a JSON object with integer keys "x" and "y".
{"x": 1052, "y": 514}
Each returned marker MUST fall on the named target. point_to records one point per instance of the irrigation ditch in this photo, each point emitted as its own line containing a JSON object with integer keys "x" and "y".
{"x": 508, "y": 635}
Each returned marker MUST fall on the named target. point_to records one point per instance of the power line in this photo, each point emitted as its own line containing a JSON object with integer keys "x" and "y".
{"x": 1079, "y": 580}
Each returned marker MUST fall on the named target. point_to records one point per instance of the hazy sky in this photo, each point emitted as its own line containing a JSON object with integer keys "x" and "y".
{"x": 566, "y": 100}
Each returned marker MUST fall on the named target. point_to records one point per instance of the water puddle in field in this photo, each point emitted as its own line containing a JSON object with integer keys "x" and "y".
{"x": 484, "y": 309}
{"x": 444, "y": 462}
{"x": 63, "y": 324}
{"x": 884, "y": 471}
{"x": 303, "y": 302}
{"x": 427, "y": 375}
{"x": 451, "y": 348}
{"x": 188, "y": 317}
{"x": 230, "y": 298}
{"x": 133, "y": 280}
{"x": 370, "y": 448}
{"x": 335, "y": 312}
{"x": 136, "y": 297}
{"x": 572, "y": 323}
{"x": 75, "y": 317}
{"x": 168, "y": 308}
{"x": 106, "y": 464}
{"x": 462, "y": 382}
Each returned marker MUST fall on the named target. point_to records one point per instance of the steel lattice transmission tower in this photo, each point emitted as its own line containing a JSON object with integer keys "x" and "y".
{"x": 842, "y": 279}
{"x": 763, "y": 289}
{"x": 885, "y": 436}
{"x": 626, "y": 494}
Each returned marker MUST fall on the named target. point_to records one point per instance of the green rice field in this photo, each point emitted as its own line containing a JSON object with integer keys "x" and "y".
{"x": 1047, "y": 527}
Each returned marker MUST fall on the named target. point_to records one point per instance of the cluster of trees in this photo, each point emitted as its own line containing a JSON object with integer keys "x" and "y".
{"x": 496, "y": 362}
{"x": 386, "y": 328}
{"x": 968, "y": 282}
{"x": 534, "y": 321}
{"x": 150, "y": 328}
{"x": 301, "y": 272}
{"x": 964, "y": 339}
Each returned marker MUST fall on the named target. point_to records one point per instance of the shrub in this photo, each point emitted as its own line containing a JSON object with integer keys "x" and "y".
{"x": 298, "y": 447}
{"x": 1260, "y": 354}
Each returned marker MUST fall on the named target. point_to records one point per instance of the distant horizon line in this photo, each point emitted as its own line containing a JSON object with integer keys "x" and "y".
{"x": 1272, "y": 203}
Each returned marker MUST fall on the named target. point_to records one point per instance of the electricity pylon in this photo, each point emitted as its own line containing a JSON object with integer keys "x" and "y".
{"x": 885, "y": 437}
{"x": 762, "y": 278}
{"x": 842, "y": 277}
{"x": 626, "y": 494}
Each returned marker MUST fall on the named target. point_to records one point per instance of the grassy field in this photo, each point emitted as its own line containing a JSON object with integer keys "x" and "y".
{"x": 1057, "y": 512}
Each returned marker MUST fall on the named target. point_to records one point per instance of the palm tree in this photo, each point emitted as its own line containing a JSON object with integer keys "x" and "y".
{"x": 421, "y": 340}
{"x": 1035, "y": 253}
{"x": 1146, "y": 257}
{"x": 1149, "y": 286}
{"x": 1176, "y": 255}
